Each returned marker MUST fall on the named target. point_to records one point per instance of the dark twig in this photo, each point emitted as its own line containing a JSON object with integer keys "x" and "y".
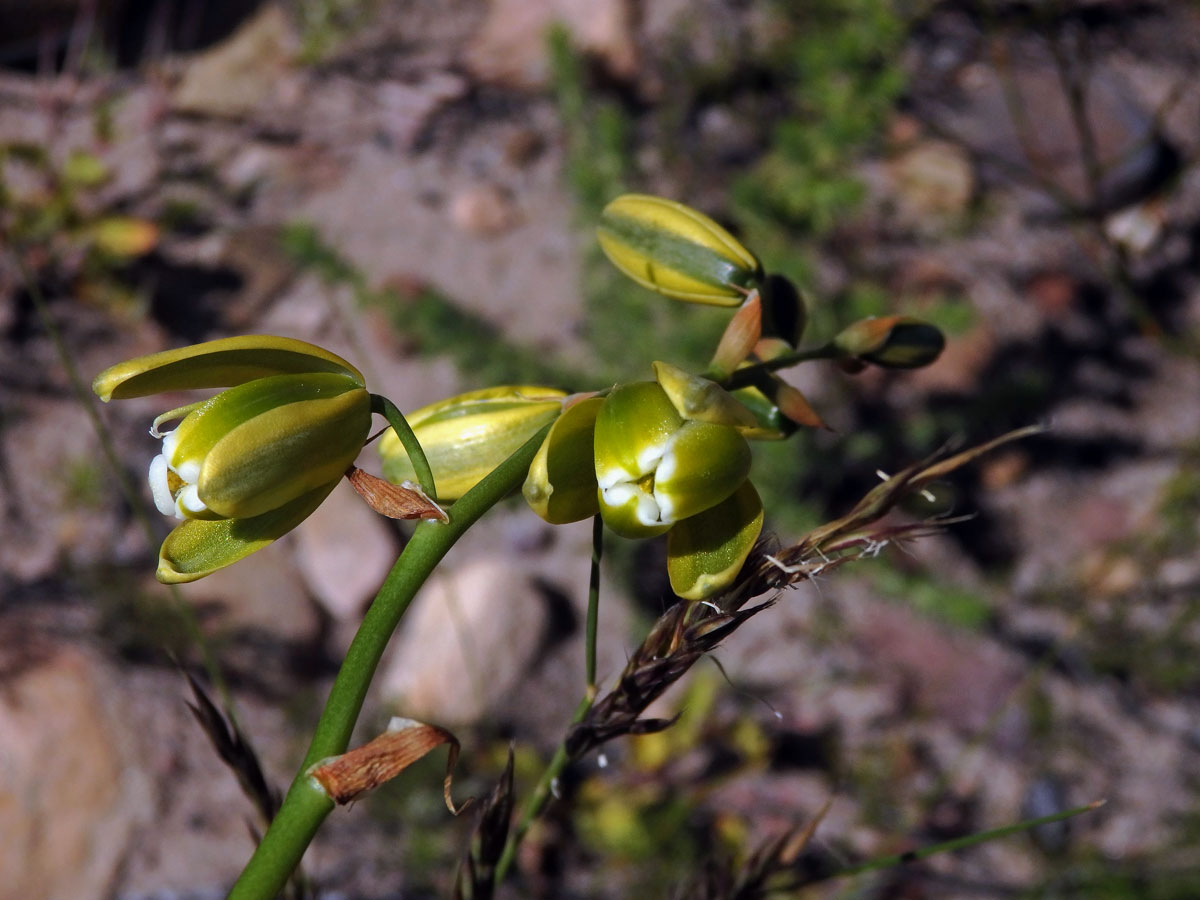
{"x": 235, "y": 751}
{"x": 477, "y": 878}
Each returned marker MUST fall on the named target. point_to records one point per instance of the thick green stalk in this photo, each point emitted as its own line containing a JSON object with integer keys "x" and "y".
{"x": 306, "y": 804}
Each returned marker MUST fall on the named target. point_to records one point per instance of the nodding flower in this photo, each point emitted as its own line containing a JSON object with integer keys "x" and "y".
{"x": 250, "y": 463}
{"x": 654, "y": 457}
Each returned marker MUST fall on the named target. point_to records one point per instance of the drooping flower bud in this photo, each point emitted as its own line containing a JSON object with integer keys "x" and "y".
{"x": 676, "y": 251}
{"x": 254, "y": 447}
{"x": 893, "y": 342}
{"x": 249, "y": 464}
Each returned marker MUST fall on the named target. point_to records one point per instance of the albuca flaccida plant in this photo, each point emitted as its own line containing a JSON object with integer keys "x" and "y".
{"x": 669, "y": 455}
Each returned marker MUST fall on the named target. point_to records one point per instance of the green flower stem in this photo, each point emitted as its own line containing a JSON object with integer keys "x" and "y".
{"x": 745, "y": 376}
{"x": 559, "y": 761}
{"x": 416, "y": 454}
{"x": 593, "y": 610}
{"x": 970, "y": 840}
{"x": 541, "y": 793}
{"x": 306, "y": 804}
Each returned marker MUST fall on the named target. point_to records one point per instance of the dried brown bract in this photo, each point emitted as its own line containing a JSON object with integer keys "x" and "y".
{"x": 381, "y": 759}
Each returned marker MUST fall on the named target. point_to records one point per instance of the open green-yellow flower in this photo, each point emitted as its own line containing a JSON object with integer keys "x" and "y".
{"x": 247, "y": 465}
{"x": 654, "y": 457}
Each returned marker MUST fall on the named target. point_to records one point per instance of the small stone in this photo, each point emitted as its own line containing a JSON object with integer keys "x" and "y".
{"x": 241, "y": 73}
{"x": 484, "y": 210}
{"x": 510, "y": 48}
{"x": 69, "y": 803}
{"x": 932, "y": 179}
{"x": 471, "y": 635}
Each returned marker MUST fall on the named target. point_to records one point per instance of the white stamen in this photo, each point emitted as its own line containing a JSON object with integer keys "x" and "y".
{"x": 188, "y": 501}
{"x": 160, "y": 490}
{"x": 188, "y": 470}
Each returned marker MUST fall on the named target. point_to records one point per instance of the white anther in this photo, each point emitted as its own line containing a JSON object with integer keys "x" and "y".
{"x": 188, "y": 501}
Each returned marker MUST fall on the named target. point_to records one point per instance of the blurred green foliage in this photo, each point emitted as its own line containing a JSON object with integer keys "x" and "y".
{"x": 932, "y": 596}
{"x": 626, "y": 323}
{"x": 842, "y": 60}
{"x": 326, "y": 24}
{"x": 53, "y": 211}
{"x": 839, "y": 64}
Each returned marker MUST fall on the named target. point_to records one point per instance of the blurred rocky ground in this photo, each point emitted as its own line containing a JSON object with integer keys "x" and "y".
{"x": 1034, "y": 183}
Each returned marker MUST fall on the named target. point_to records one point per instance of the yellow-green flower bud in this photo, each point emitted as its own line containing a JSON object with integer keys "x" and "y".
{"x": 467, "y": 436}
{"x": 674, "y": 250}
{"x": 894, "y": 342}
{"x": 653, "y": 468}
{"x": 561, "y": 486}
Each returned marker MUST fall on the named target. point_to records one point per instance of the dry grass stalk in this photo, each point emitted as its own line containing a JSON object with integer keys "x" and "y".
{"x": 688, "y": 630}
{"x": 756, "y": 878}
{"x": 477, "y": 877}
{"x": 235, "y": 751}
